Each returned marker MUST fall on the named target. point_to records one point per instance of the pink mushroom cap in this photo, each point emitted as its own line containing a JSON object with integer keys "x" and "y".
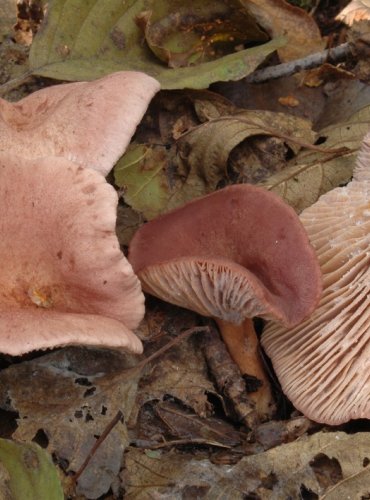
{"x": 233, "y": 254}
{"x": 63, "y": 278}
{"x": 89, "y": 123}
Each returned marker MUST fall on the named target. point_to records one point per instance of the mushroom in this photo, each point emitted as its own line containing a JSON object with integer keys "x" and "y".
{"x": 234, "y": 254}
{"x": 63, "y": 277}
{"x": 89, "y": 123}
{"x": 323, "y": 364}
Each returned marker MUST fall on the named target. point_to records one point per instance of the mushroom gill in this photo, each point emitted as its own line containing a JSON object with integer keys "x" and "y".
{"x": 323, "y": 364}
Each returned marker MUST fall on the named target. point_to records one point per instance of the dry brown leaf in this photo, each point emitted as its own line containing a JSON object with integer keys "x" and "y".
{"x": 187, "y": 426}
{"x": 155, "y": 179}
{"x": 59, "y": 398}
{"x": 181, "y": 373}
{"x": 313, "y": 173}
{"x": 325, "y": 465}
{"x": 356, "y": 10}
{"x": 278, "y": 17}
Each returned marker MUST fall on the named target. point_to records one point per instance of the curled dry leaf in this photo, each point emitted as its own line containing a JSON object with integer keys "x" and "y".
{"x": 155, "y": 178}
{"x": 182, "y": 34}
{"x": 314, "y": 173}
{"x": 278, "y": 17}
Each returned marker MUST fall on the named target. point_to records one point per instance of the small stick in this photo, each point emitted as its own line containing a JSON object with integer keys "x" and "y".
{"x": 311, "y": 61}
{"x": 97, "y": 444}
{"x": 137, "y": 368}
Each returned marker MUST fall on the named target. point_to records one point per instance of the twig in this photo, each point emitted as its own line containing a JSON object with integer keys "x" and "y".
{"x": 176, "y": 442}
{"x": 15, "y": 82}
{"x": 177, "y": 340}
{"x": 96, "y": 445}
{"x": 107, "y": 381}
{"x": 311, "y": 61}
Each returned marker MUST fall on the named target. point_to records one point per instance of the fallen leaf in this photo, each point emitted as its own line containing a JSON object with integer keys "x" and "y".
{"x": 356, "y": 10}
{"x": 314, "y": 173}
{"x": 182, "y": 35}
{"x": 181, "y": 373}
{"x": 187, "y": 426}
{"x": 278, "y": 17}
{"x": 155, "y": 178}
{"x": 68, "y": 398}
{"x": 27, "y": 472}
{"x": 324, "y": 465}
{"x": 148, "y": 178}
{"x": 90, "y": 39}
{"x": 8, "y": 16}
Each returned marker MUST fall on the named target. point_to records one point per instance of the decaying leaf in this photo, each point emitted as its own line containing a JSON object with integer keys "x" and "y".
{"x": 156, "y": 178}
{"x": 190, "y": 428}
{"x": 279, "y": 17}
{"x": 8, "y": 15}
{"x": 89, "y": 39}
{"x": 184, "y": 34}
{"x": 27, "y": 472}
{"x": 324, "y": 465}
{"x": 314, "y": 173}
{"x": 181, "y": 374}
{"x": 356, "y": 10}
{"x": 67, "y": 397}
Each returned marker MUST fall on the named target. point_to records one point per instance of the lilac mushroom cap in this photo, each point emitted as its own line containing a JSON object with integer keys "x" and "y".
{"x": 236, "y": 253}
{"x": 323, "y": 364}
{"x": 89, "y": 123}
{"x": 63, "y": 278}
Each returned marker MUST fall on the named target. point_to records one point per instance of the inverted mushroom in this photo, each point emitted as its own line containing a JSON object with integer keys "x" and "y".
{"x": 234, "y": 254}
{"x": 63, "y": 277}
{"x": 323, "y": 364}
{"x": 89, "y": 123}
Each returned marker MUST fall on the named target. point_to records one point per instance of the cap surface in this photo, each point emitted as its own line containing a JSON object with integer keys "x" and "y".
{"x": 61, "y": 258}
{"x": 89, "y": 123}
{"x": 323, "y": 364}
{"x": 236, "y": 253}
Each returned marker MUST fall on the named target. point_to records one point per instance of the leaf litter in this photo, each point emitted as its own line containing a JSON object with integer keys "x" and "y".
{"x": 183, "y": 433}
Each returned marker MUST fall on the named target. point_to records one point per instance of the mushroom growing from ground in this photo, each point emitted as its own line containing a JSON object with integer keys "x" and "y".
{"x": 89, "y": 123}
{"x": 323, "y": 364}
{"x": 231, "y": 255}
{"x": 63, "y": 277}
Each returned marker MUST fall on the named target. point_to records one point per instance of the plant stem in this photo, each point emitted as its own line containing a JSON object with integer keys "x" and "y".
{"x": 243, "y": 345}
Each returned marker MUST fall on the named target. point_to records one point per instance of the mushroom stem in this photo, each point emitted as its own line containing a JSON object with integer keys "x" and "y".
{"x": 242, "y": 343}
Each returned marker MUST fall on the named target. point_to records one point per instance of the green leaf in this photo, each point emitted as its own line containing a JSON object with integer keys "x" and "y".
{"x": 86, "y": 39}
{"x": 27, "y": 472}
